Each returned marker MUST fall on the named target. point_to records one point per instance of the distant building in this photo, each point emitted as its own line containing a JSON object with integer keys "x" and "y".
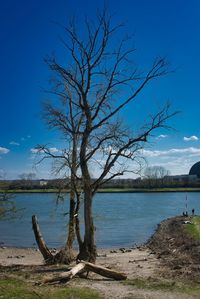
{"x": 43, "y": 183}
{"x": 182, "y": 178}
{"x": 193, "y": 176}
{"x": 195, "y": 170}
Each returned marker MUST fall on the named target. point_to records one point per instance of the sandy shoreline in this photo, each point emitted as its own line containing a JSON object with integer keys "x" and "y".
{"x": 123, "y": 259}
{"x": 139, "y": 261}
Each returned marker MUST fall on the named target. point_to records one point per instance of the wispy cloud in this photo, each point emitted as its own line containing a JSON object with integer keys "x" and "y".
{"x": 191, "y": 138}
{"x": 52, "y": 150}
{"x": 4, "y": 150}
{"x": 171, "y": 152}
{"x": 14, "y": 143}
{"x": 161, "y": 136}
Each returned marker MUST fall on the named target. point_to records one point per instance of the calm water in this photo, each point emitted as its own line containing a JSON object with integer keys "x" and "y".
{"x": 121, "y": 219}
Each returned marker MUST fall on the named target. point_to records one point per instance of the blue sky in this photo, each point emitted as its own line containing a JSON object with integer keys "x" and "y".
{"x": 29, "y": 31}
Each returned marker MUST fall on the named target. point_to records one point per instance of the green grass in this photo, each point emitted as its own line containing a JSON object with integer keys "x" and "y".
{"x": 112, "y": 190}
{"x": 194, "y": 228}
{"x": 17, "y": 289}
{"x": 165, "y": 286}
{"x": 32, "y": 191}
{"x": 139, "y": 190}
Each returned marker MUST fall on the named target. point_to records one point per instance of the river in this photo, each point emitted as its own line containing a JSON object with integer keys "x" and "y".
{"x": 121, "y": 219}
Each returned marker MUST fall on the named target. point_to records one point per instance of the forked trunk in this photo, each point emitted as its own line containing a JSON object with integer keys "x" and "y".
{"x": 66, "y": 255}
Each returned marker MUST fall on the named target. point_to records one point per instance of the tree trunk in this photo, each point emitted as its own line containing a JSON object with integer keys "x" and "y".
{"x": 66, "y": 255}
{"x": 77, "y": 223}
{"x": 88, "y": 250}
{"x": 47, "y": 255}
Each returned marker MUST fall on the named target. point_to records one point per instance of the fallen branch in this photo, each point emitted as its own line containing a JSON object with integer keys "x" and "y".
{"x": 85, "y": 266}
{"x": 105, "y": 271}
{"x": 65, "y": 276}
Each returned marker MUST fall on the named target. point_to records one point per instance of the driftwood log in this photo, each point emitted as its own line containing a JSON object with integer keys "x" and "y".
{"x": 85, "y": 266}
{"x": 65, "y": 276}
{"x": 105, "y": 271}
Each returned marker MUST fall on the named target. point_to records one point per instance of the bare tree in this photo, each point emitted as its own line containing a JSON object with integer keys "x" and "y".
{"x": 7, "y": 205}
{"x": 95, "y": 85}
{"x": 154, "y": 175}
{"x": 27, "y": 179}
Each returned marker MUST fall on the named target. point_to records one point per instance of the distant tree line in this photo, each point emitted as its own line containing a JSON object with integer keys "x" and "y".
{"x": 153, "y": 177}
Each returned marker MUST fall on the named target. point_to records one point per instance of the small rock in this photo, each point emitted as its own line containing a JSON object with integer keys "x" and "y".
{"x": 123, "y": 250}
{"x": 176, "y": 267}
{"x": 128, "y": 250}
{"x": 139, "y": 266}
{"x": 144, "y": 259}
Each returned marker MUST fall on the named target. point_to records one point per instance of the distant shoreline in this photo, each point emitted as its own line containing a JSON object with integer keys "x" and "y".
{"x": 111, "y": 190}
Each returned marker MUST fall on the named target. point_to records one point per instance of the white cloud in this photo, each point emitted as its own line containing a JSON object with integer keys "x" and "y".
{"x": 35, "y": 151}
{"x": 161, "y": 136}
{"x": 14, "y": 143}
{"x": 176, "y": 160}
{"x": 4, "y": 150}
{"x": 25, "y": 138}
{"x": 191, "y": 138}
{"x": 52, "y": 150}
{"x": 171, "y": 152}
